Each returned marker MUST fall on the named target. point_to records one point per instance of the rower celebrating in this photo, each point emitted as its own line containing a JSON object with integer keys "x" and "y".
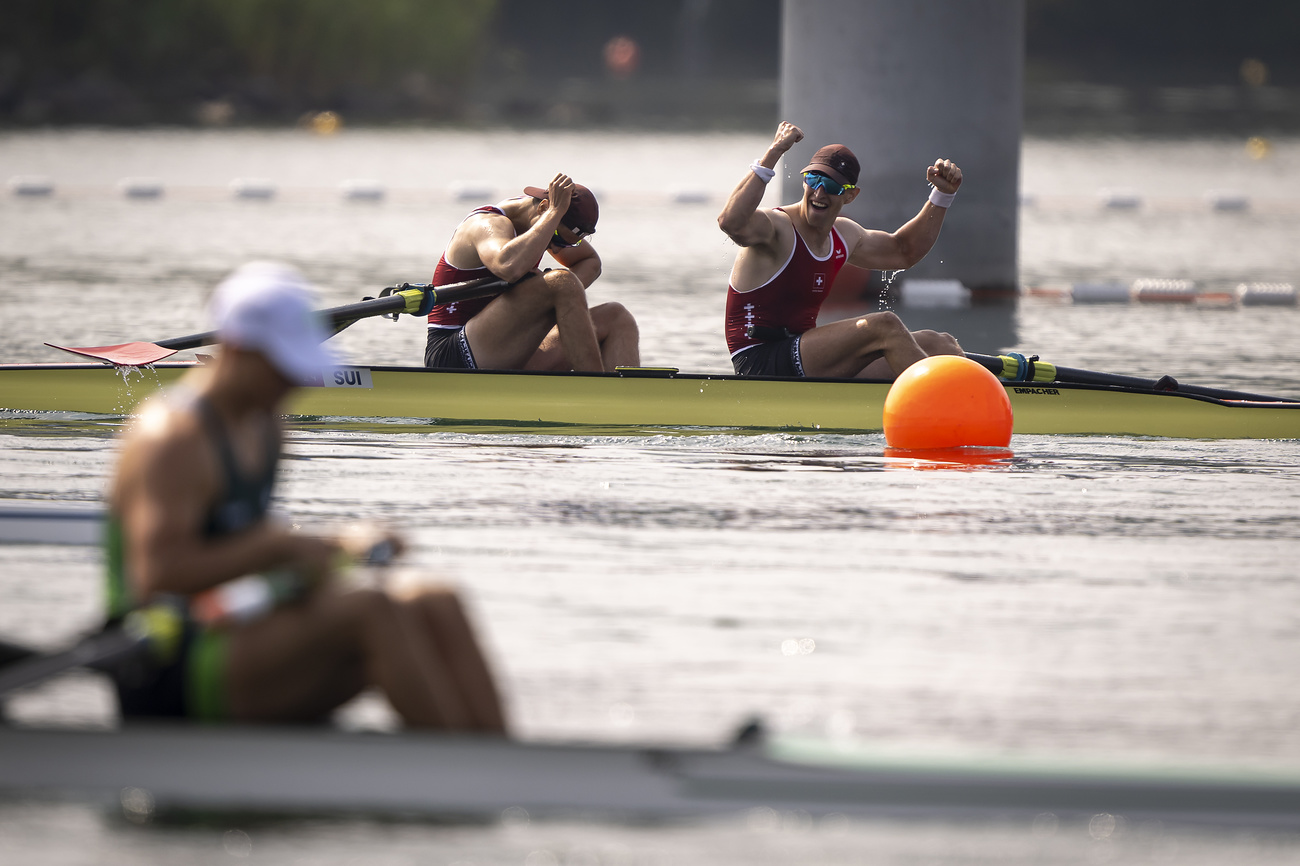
{"x": 542, "y": 322}
{"x": 788, "y": 261}
{"x": 188, "y": 518}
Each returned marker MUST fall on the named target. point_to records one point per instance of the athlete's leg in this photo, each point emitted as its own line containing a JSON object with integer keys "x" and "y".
{"x": 303, "y": 660}
{"x": 931, "y": 342}
{"x": 443, "y": 617}
{"x": 937, "y": 343}
{"x": 508, "y": 331}
{"x": 616, "y": 332}
{"x": 846, "y": 348}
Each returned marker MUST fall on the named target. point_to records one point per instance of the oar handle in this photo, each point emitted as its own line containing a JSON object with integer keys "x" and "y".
{"x": 416, "y": 299}
{"x": 1040, "y": 372}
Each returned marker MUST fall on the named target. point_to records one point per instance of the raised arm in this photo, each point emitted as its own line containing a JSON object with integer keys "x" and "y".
{"x": 741, "y": 219}
{"x": 914, "y": 239}
{"x": 511, "y": 257}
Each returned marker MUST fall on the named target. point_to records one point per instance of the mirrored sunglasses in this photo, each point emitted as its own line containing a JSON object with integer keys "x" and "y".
{"x": 816, "y": 181}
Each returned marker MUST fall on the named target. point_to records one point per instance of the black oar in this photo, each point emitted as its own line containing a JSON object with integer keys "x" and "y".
{"x": 1017, "y": 368}
{"x": 103, "y": 651}
{"x": 415, "y": 300}
{"x": 153, "y": 629}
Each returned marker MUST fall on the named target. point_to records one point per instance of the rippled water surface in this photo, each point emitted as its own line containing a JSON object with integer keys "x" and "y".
{"x": 1129, "y": 597}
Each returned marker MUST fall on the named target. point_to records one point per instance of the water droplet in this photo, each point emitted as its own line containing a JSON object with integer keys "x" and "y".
{"x": 237, "y": 844}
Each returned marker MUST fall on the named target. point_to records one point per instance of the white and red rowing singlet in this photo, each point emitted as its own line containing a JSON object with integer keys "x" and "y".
{"x": 791, "y": 299}
{"x": 455, "y": 315}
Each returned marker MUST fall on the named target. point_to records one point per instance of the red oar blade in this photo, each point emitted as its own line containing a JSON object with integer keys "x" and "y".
{"x": 123, "y": 355}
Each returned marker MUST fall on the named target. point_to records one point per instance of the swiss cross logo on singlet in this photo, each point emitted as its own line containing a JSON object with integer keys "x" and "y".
{"x": 819, "y": 282}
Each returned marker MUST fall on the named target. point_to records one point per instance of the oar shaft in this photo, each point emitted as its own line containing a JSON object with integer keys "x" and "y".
{"x": 101, "y": 652}
{"x": 1074, "y": 376}
{"x": 404, "y": 299}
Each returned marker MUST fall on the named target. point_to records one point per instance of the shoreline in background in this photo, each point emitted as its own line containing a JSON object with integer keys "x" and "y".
{"x": 1050, "y": 109}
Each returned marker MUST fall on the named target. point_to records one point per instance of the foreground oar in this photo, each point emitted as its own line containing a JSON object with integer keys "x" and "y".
{"x": 1014, "y": 367}
{"x": 156, "y": 628}
{"x": 103, "y": 651}
{"x": 415, "y": 300}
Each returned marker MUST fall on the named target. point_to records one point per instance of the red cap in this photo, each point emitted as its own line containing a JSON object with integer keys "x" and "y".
{"x": 583, "y": 210}
{"x": 835, "y": 161}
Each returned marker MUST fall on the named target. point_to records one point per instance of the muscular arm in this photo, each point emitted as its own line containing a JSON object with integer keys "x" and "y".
{"x": 583, "y": 260}
{"x": 905, "y": 247}
{"x": 167, "y": 479}
{"x": 512, "y": 257}
{"x": 741, "y": 219}
{"x": 892, "y": 251}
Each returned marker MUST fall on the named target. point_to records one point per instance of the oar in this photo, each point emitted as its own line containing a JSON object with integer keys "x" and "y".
{"x": 156, "y": 629}
{"x": 1015, "y": 367}
{"x": 414, "y": 299}
{"x": 104, "y": 652}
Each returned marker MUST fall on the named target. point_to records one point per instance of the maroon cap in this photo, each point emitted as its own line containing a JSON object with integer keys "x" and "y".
{"x": 835, "y": 161}
{"x": 583, "y": 210}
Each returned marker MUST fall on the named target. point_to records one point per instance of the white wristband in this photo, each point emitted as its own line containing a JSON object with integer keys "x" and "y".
{"x": 941, "y": 199}
{"x": 763, "y": 172}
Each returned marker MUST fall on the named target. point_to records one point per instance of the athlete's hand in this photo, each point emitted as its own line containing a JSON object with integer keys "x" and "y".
{"x": 312, "y": 557}
{"x": 369, "y": 544}
{"x": 560, "y": 193}
{"x": 945, "y": 175}
{"x": 787, "y": 136}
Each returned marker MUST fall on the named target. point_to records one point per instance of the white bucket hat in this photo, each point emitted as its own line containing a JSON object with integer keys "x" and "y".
{"x": 269, "y": 307}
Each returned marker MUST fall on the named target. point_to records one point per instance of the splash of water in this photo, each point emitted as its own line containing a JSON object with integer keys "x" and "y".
{"x": 888, "y": 277}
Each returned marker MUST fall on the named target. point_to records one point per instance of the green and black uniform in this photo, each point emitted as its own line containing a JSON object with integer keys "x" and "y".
{"x": 191, "y": 681}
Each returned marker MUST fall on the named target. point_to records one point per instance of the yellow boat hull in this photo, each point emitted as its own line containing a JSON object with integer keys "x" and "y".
{"x": 482, "y": 400}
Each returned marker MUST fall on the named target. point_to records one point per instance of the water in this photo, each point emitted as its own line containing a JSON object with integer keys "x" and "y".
{"x": 1135, "y": 598}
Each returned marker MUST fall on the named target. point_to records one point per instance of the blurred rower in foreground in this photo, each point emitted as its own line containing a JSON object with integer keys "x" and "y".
{"x": 188, "y": 522}
{"x": 542, "y": 321}
{"x": 789, "y": 258}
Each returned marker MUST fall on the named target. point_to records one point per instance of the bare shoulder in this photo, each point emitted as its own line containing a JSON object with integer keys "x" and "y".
{"x": 783, "y": 225}
{"x": 849, "y": 229}
{"x": 165, "y": 443}
{"x": 486, "y": 223}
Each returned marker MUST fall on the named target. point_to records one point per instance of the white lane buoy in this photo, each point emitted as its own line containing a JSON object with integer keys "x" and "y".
{"x": 688, "y": 196}
{"x": 255, "y": 188}
{"x": 1266, "y": 294}
{"x": 33, "y": 186}
{"x": 1163, "y": 291}
{"x": 472, "y": 191}
{"x": 934, "y": 294}
{"x": 1120, "y": 199}
{"x": 1100, "y": 293}
{"x": 141, "y": 187}
{"x": 362, "y": 190}
{"x": 1227, "y": 202}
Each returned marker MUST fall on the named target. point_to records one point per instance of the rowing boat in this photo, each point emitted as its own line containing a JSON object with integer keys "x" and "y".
{"x": 658, "y": 399}
{"x": 169, "y": 768}
{"x": 1045, "y": 399}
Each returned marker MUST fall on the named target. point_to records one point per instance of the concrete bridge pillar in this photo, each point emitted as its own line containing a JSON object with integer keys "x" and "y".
{"x": 902, "y": 83}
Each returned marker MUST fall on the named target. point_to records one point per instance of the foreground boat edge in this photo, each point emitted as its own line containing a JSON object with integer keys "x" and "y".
{"x": 287, "y": 771}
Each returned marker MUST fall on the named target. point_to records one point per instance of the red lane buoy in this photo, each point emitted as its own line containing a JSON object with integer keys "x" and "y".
{"x": 947, "y": 401}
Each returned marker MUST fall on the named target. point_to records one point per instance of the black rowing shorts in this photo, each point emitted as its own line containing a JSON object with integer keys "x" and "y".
{"x": 448, "y": 348}
{"x": 774, "y": 358}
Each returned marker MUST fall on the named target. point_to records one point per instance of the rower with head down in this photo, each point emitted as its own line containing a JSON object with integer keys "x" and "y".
{"x": 788, "y": 261}
{"x": 189, "y": 524}
{"x": 542, "y": 321}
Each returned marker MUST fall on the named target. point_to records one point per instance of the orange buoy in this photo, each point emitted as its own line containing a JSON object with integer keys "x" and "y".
{"x": 947, "y": 401}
